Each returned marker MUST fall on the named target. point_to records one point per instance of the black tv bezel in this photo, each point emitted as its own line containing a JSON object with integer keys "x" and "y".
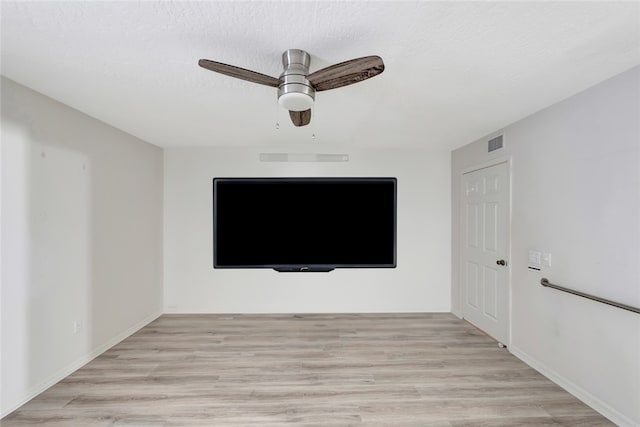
{"x": 308, "y": 267}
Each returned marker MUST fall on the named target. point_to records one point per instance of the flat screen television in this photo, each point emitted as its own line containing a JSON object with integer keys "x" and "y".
{"x": 304, "y": 224}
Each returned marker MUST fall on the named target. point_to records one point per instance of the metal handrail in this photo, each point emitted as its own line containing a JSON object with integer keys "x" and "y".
{"x": 545, "y": 282}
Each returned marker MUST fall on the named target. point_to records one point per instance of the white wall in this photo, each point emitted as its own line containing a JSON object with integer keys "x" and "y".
{"x": 81, "y": 240}
{"x": 421, "y": 281}
{"x": 576, "y": 195}
{"x": 1, "y": 292}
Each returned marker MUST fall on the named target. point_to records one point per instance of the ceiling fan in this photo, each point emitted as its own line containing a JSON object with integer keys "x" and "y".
{"x": 296, "y": 87}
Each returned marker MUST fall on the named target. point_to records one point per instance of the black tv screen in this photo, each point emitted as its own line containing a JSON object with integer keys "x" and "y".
{"x": 304, "y": 224}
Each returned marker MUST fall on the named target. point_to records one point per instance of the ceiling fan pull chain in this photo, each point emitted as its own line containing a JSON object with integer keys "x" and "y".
{"x": 313, "y": 124}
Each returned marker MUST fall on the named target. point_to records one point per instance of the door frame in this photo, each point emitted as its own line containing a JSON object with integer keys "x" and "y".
{"x": 462, "y": 286}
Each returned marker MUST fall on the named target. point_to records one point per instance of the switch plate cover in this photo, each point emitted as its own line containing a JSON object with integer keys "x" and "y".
{"x": 535, "y": 260}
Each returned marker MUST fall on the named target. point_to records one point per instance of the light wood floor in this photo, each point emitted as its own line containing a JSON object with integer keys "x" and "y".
{"x": 312, "y": 370}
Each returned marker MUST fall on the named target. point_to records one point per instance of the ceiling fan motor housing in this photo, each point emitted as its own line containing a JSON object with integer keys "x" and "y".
{"x": 295, "y": 92}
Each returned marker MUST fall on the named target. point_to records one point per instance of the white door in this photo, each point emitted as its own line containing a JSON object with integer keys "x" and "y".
{"x": 484, "y": 248}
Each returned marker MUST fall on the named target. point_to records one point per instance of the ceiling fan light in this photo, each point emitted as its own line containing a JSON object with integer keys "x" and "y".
{"x": 295, "y": 101}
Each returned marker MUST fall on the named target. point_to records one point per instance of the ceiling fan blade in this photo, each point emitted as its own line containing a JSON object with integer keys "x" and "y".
{"x": 346, "y": 73}
{"x": 300, "y": 118}
{"x": 239, "y": 73}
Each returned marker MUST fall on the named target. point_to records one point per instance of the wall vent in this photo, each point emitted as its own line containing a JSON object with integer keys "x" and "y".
{"x": 495, "y": 143}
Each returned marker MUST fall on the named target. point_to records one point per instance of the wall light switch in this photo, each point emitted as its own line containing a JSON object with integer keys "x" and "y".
{"x": 546, "y": 259}
{"x": 535, "y": 257}
{"x": 535, "y": 260}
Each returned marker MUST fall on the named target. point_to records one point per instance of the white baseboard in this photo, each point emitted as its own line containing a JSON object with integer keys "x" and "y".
{"x": 78, "y": 363}
{"x": 597, "y": 404}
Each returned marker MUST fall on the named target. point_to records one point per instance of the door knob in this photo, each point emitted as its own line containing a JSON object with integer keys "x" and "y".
{"x": 501, "y": 262}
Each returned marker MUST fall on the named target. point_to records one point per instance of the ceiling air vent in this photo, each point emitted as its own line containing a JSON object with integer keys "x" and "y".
{"x": 495, "y": 143}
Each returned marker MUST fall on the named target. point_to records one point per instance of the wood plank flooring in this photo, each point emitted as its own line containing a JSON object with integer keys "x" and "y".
{"x": 307, "y": 370}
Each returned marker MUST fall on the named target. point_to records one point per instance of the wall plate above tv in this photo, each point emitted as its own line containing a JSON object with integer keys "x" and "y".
{"x": 303, "y": 157}
{"x": 304, "y": 224}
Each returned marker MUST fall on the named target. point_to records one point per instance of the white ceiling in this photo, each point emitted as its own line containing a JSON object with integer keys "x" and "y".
{"x": 455, "y": 71}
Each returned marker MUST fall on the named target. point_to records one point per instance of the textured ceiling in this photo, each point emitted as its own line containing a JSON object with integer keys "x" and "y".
{"x": 455, "y": 71}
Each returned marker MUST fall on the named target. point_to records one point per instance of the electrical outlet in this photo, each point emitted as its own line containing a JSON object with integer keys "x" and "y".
{"x": 77, "y": 326}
